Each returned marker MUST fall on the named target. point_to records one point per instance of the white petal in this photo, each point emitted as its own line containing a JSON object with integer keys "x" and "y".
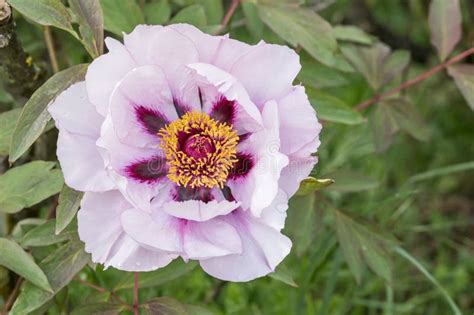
{"x": 196, "y": 210}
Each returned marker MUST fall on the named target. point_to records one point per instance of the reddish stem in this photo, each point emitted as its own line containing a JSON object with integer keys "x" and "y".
{"x": 135, "y": 293}
{"x": 228, "y": 15}
{"x": 415, "y": 80}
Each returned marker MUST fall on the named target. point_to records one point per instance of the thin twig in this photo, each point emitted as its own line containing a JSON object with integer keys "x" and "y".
{"x": 415, "y": 80}
{"x": 135, "y": 293}
{"x": 228, "y": 15}
{"x": 50, "y": 46}
{"x": 12, "y": 297}
{"x": 100, "y": 289}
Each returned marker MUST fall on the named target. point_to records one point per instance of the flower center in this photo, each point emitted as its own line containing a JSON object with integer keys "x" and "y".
{"x": 199, "y": 151}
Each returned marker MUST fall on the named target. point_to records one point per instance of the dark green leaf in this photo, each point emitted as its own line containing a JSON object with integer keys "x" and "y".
{"x": 13, "y": 257}
{"x": 213, "y": 9}
{"x": 34, "y": 117}
{"x": 91, "y": 24}
{"x": 44, "y": 235}
{"x": 384, "y": 126}
{"x": 155, "y": 278}
{"x": 157, "y": 12}
{"x": 443, "y": 171}
{"x": 319, "y": 76}
{"x": 60, "y": 267}
{"x": 194, "y": 15}
{"x": 68, "y": 204}
{"x": 25, "y": 225}
{"x": 45, "y": 12}
{"x": 350, "y": 181}
{"x": 311, "y": 184}
{"x": 464, "y": 77}
{"x": 330, "y": 108}
{"x": 254, "y": 23}
{"x": 352, "y": 33}
{"x": 26, "y": 185}
{"x": 445, "y": 25}
{"x": 121, "y": 16}
{"x": 284, "y": 275}
{"x": 7, "y": 124}
{"x": 99, "y": 309}
{"x": 169, "y": 306}
{"x": 395, "y": 64}
{"x": 302, "y": 223}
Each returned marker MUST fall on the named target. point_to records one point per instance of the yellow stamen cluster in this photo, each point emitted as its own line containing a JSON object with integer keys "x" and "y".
{"x": 209, "y": 170}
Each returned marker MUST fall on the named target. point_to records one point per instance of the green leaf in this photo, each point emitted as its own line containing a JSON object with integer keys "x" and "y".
{"x": 91, "y": 24}
{"x": 428, "y": 276}
{"x": 157, "y": 12}
{"x": 319, "y": 76}
{"x": 284, "y": 275}
{"x": 464, "y": 77}
{"x": 443, "y": 171}
{"x": 350, "y": 181}
{"x": 384, "y": 126}
{"x": 305, "y": 28}
{"x": 361, "y": 242}
{"x": 7, "y": 124}
{"x": 445, "y": 25}
{"x": 330, "y": 108}
{"x": 34, "y": 116}
{"x": 28, "y": 184}
{"x": 253, "y": 21}
{"x": 352, "y": 33}
{"x": 311, "y": 184}
{"x": 395, "y": 64}
{"x": 155, "y": 278}
{"x": 213, "y": 9}
{"x": 99, "y": 309}
{"x": 194, "y": 15}
{"x": 13, "y": 257}
{"x": 60, "y": 267}
{"x": 169, "y": 306}
{"x": 68, "y": 204}
{"x": 45, "y": 12}
{"x": 302, "y": 222}
{"x": 121, "y": 16}
{"x": 44, "y": 235}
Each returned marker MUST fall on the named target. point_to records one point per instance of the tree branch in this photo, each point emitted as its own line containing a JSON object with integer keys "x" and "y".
{"x": 23, "y": 77}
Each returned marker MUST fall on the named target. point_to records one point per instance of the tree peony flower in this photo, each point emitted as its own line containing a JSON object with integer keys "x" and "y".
{"x": 187, "y": 145}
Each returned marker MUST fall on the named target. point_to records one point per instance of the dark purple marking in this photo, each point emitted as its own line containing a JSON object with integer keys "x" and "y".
{"x": 227, "y": 193}
{"x": 148, "y": 171}
{"x": 188, "y": 193}
{"x": 181, "y": 108}
{"x": 242, "y": 167}
{"x": 244, "y": 137}
{"x": 223, "y": 111}
{"x": 151, "y": 120}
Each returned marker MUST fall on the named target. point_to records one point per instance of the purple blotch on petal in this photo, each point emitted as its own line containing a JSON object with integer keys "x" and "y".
{"x": 148, "y": 171}
{"x": 151, "y": 120}
{"x": 223, "y": 111}
{"x": 242, "y": 167}
{"x": 187, "y": 193}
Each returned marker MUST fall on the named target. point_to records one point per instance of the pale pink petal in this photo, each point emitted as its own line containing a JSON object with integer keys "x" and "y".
{"x": 301, "y": 128}
{"x": 105, "y": 72}
{"x": 229, "y": 51}
{"x": 263, "y": 248}
{"x": 157, "y": 231}
{"x": 209, "y": 239}
{"x": 298, "y": 169}
{"x": 72, "y": 111}
{"x": 267, "y": 72}
{"x": 196, "y": 210}
{"x": 82, "y": 165}
{"x": 248, "y": 115}
{"x": 100, "y": 228}
{"x": 259, "y": 187}
{"x": 275, "y": 214}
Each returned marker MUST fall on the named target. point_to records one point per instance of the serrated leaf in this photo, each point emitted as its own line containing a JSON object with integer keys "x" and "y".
{"x": 91, "y": 24}
{"x": 44, "y": 235}
{"x": 362, "y": 245}
{"x": 60, "y": 267}
{"x": 13, "y": 257}
{"x": 155, "y": 278}
{"x": 311, "y": 184}
{"x": 305, "y": 28}
{"x": 121, "y": 16}
{"x": 28, "y": 184}
{"x": 68, "y": 204}
{"x": 45, "y": 12}
{"x": 34, "y": 116}
{"x": 157, "y": 12}
{"x": 352, "y": 33}
{"x": 194, "y": 15}
{"x": 331, "y": 108}
{"x": 445, "y": 25}
{"x": 99, "y": 309}
{"x": 464, "y": 77}
{"x": 7, "y": 124}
